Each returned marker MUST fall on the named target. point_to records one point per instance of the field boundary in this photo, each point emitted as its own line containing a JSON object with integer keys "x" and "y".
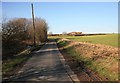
{"x": 77, "y": 50}
{"x": 70, "y": 73}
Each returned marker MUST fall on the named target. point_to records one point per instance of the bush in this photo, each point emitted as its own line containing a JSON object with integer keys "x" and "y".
{"x": 17, "y": 32}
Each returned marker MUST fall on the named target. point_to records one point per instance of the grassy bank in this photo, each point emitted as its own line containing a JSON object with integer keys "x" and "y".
{"x": 109, "y": 39}
{"x": 10, "y": 66}
{"x": 101, "y": 61}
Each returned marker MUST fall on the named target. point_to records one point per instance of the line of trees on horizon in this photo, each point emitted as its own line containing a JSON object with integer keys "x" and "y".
{"x": 17, "y": 33}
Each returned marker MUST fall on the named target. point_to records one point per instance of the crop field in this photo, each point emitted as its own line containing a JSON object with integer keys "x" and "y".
{"x": 109, "y": 39}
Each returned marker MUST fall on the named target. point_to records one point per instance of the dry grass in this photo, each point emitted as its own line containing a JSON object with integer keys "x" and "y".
{"x": 100, "y": 58}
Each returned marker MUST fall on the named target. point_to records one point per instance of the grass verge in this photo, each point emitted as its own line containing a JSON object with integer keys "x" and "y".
{"x": 11, "y": 66}
{"x": 101, "y": 66}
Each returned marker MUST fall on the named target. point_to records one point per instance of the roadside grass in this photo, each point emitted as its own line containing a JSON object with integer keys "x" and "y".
{"x": 100, "y": 66}
{"x": 9, "y": 66}
{"x": 109, "y": 39}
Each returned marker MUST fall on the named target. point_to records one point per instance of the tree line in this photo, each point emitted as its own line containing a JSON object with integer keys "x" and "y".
{"x": 18, "y": 33}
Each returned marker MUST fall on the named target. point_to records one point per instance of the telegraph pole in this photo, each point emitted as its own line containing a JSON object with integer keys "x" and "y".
{"x": 33, "y": 23}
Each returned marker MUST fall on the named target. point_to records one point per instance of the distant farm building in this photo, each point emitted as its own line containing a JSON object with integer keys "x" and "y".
{"x": 65, "y": 33}
{"x": 75, "y": 33}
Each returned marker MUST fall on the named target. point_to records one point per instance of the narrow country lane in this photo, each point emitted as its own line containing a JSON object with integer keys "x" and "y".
{"x": 45, "y": 65}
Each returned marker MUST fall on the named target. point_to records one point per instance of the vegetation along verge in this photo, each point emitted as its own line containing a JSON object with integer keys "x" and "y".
{"x": 11, "y": 66}
{"x": 96, "y": 57}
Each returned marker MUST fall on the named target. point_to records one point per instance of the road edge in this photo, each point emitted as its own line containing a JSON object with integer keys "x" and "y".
{"x": 71, "y": 74}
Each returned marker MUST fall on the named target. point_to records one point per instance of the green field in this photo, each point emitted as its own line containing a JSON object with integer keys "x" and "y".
{"x": 110, "y": 39}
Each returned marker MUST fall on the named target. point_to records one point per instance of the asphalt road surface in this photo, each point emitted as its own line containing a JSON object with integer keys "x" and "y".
{"x": 45, "y": 65}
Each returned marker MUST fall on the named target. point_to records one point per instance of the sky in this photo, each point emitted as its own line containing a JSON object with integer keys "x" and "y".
{"x": 86, "y": 17}
{"x": 59, "y": 0}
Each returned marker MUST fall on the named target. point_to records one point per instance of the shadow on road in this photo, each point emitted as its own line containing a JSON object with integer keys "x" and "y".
{"x": 45, "y": 65}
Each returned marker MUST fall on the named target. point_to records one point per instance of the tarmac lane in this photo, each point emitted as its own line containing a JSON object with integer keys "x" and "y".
{"x": 44, "y": 65}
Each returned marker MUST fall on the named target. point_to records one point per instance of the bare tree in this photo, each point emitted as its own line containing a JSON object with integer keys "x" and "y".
{"x": 17, "y": 31}
{"x": 14, "y": 31}
{"x": 41, "y": 28}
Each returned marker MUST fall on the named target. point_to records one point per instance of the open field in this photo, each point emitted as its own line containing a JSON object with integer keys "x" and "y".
{"x": 103, "y": 60}
{"x": 109, "y": 39}
{"x": 97, "y": 52}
